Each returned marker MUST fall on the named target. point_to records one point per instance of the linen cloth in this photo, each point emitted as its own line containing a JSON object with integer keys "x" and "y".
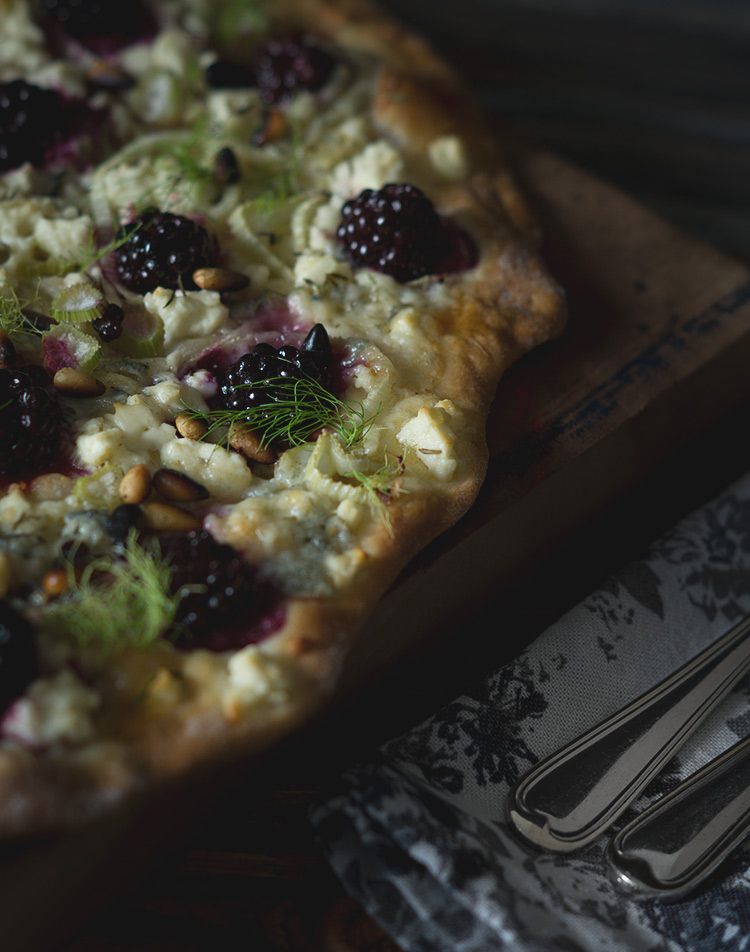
{"x": 420, "y": 834}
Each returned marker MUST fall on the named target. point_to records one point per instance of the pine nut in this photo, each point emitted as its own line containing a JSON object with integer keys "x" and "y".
{"x": 220, "y": 279}
{"x": 108, "y": 76}
{"x": 177, "y": 487}
{"x": 274, "y": 127}
{"x": 190, "y": 427}
{"x": 55, "y": 582}
{"x": 135, "y": 485}
{"x": 247, "y": 442}
{"x": 164, "y": 517}
{"x": 74, "y": 382}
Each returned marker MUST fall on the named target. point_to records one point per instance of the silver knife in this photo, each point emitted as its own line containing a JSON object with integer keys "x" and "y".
{"x": 569, "y": 799}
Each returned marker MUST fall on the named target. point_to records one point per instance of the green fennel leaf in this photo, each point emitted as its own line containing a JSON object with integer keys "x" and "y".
{"x": 302, "y": 407}
{"x": 381, "y": 485}
{"x": 12, "y": 318}
{"x": 117, "y": 602}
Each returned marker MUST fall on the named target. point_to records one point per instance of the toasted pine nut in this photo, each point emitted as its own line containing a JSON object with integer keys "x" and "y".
{"x": 55, "y": 582}
{"x": 74, "y": 382}
{"x": 247, "y": 442}
{"x": 274, "y": 126}
{"x": 164, "y": 517}
{"x": 177, "y": 487}
{"x": 190, "y": 427}
{"x": 108, "y": 75}
{"x": 135, "y": 485}
{"x": 220, "y": 279}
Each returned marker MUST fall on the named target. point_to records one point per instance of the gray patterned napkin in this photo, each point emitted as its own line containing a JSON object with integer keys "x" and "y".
{"x": 420, "y": 834}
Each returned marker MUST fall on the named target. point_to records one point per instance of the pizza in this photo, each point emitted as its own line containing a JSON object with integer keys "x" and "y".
{"x": 261, "y": 268}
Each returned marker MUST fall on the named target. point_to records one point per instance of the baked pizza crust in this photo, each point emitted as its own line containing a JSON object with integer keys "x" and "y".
{"x": 507, "y": 305}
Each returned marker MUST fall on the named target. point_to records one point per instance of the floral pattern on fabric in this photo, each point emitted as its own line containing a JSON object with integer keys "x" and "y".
{"x": 421, "y": 835}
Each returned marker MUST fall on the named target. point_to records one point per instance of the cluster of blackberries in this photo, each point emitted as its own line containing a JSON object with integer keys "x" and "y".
{"x": 30, "y": 419}
{"x": 160, "y": 249}
{"x": 285, "y": 65}
{"x": 223, "y": 585}
{"x": 32, "y": 120}
{"x": 395, "y": 230}
{"x": 290, "y": 64}
{"x": 256, "y": 380}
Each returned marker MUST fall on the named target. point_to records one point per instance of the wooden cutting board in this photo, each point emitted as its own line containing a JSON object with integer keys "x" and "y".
{"x": 656, "y": 349}
{"x": 656, "y": 352}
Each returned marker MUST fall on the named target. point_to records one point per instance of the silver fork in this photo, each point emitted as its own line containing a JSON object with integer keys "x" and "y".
{"x": 572, "y": 797}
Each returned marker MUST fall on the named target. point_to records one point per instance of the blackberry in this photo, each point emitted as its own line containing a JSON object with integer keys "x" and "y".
{"x": 394, "y": 229}
{"x": 36, "y": 323}
{"x": 94, "y": 22}
{"x": 18, "y": 664}
{"x": 109, "y": 326}
{"x": 163, "y": 250}
{"x": 225, "y": 584}
{"x": 30, "y": 419}
{"x": 243, "y": 386}
{"x": 292, "y": 63}
{"x": 32, "y": 119}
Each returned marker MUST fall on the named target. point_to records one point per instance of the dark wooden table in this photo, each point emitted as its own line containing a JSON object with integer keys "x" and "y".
{"x": 656, "y": 103}
{"x": 652, "y": 94}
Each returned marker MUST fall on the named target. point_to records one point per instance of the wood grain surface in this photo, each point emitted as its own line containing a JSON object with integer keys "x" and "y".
{"x": 600, "y": 442}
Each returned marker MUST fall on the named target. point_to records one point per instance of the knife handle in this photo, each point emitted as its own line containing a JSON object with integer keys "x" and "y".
{"x": 570, "y": 798}
{"x": 680, "y": 840}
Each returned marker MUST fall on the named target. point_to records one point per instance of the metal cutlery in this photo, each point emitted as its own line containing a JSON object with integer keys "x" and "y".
{"x": 679, "y": 841}
{"x": 572, "y": 797}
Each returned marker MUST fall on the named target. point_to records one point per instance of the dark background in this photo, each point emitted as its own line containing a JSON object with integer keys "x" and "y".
{"x": 653, "y": 95}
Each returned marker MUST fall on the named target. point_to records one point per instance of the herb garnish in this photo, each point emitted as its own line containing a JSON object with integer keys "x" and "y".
{"x": 12, "y": 320}
{"x": 381, "y": 485}
{"x": 12, "y": 317}
{"x": 117, "y": 601}
{"x": 239, "y": 17}
{"x": 301, "y": 407}
{"x": 93, "y": 252}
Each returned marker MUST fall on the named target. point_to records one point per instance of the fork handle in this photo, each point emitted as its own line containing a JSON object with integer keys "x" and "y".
{"x": 570, "y": 798}
{"x": 675, "y": 844}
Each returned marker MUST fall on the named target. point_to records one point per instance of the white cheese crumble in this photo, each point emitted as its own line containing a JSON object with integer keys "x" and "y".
{"x": 186, "y": 315}
{"x": 448, "y": 157}
{"x": 254, "y": 677}
{"x": 376, "y": 165}
{"x": 22, "y": 43}
{"x": 134, "y": 433}
{"x": 431, "y": 436}
{"x": 55, "y": 710}
{"x": 224, "y": 474}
